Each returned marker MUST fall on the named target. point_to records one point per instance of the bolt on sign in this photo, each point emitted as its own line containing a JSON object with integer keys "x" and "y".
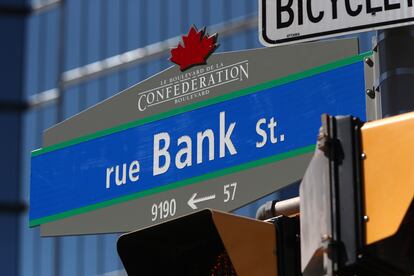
{"x": 214, "y": 131}
{"x": 290, "y": 21}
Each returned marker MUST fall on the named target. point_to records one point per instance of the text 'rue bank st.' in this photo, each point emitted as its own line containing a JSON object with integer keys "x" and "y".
{"x": 179, "y": 153}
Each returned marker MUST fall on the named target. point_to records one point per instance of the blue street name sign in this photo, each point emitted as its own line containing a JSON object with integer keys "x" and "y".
{"x": 247, "y": 128}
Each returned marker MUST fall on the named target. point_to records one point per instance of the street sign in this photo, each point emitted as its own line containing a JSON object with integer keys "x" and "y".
{"x": 219, "y": 135}
{"x": 291, "y": 21}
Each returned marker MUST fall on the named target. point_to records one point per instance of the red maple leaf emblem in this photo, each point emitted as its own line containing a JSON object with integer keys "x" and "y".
{"x": 197, "y": 47}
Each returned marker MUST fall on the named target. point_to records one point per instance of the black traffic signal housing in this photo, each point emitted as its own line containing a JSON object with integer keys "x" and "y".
{"x": 209, "y": 243}
{"x": 357, "y": 210}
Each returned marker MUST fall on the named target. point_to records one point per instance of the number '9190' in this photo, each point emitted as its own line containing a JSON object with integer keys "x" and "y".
{"x": 164, "y": 209}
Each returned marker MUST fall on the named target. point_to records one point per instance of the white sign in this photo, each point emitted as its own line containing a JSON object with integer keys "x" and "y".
{"x": 291, "y": 21}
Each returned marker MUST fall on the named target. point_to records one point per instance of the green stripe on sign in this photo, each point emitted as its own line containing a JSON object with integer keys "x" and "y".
{"x": 182, "y": 183}
{"x": 229, "y": 96}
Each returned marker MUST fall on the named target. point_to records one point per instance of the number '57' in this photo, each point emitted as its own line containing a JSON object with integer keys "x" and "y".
{"x": 229, "y": 191}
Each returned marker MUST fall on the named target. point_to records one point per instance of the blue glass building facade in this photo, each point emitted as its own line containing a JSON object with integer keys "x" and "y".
{"x": 59, "y": 57}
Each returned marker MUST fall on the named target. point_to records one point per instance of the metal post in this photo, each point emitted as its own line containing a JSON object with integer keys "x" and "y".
{"x": 288, "y": 207}
{"x": 396, "y": 70}
{"x": 13, "y": 22}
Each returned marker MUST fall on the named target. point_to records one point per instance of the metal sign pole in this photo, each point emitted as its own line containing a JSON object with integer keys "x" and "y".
{"x": 396, "y": 70}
